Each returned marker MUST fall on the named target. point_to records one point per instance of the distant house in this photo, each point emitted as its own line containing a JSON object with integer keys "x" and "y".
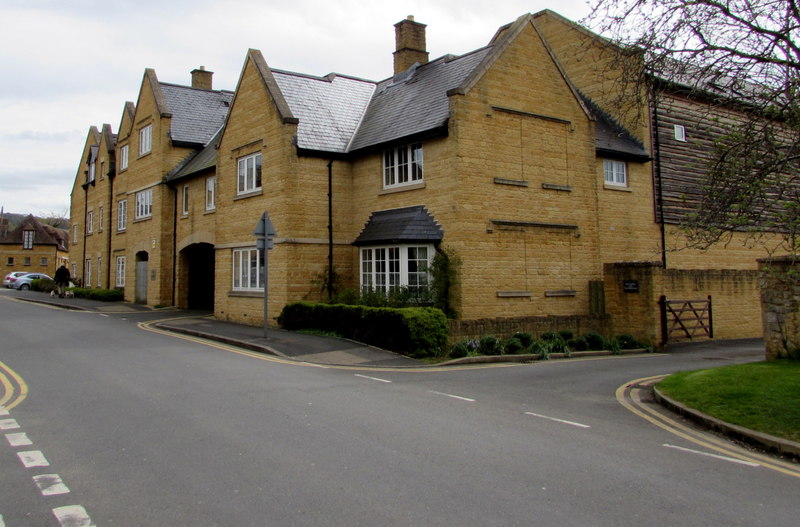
{"x": 509, "y": 157}
{"x": 33, "y": 247}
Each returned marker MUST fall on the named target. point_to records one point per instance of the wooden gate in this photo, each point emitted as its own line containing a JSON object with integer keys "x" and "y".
{"x": 686, "y": 319}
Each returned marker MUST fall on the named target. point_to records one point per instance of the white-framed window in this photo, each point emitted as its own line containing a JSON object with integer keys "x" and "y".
{"x": 122, "y": 214}
{"x": 402, "y": 165}
{"x": 211, "y": 193}
{"x": 248, "y": 269}
{"x": 185, "y": 205}
{"x": 74, "y": 269}
{"x": 91, "y": 174}
{"x": 123, "y": 158}
{"x": 249, "y": 179}
{"x": 74, "y": 233}
{"x": 90, "y": 222}
{"x": 100, "y": 218}
{"x": 144, "y": 204}
{"x": 27, "y": 239}
{"x": 616, "y": 172}
{"x": 120, "y": 279}
{"x": 99, "y": 271}
{"x": 391, "y": 267}
{"x": 680, "y": 133}
{"x": 146, "y": 139}
{"x": 88, "y": 272}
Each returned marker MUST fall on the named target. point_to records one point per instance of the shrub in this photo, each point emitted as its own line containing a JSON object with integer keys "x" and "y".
{"x": 513, "y": 346}
{"x": 490, "y": 345}
{"x": 541, "y": 348}
{"x": 565, "y": 334}
{"x": 550, "y": 335}
{"x": 595, "y": 341}
{"x": 526, "y": 339}
{"x": 104, "y": 295}
{"x": 459, "y": 350}
{"x": 579, "y": 344}
{"x": 415, "y": 331}
{"x": 42, "y": 284}
{"x": 628, "y": 342}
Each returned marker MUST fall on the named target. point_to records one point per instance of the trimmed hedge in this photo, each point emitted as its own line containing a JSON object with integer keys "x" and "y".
{"x": 104, "y": 295}
{"x": 414, "y": 331}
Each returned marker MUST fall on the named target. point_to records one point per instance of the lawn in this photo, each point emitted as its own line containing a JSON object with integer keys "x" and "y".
{"x": 762, "y": 396}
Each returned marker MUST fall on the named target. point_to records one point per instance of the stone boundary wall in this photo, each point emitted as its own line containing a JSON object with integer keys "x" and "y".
{"x": 780, "y": 305}
{"x": 535, "y": 325}
{"x": 632, "y": 291}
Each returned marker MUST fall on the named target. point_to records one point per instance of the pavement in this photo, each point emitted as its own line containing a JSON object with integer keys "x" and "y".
{"x": 334, "y": 351}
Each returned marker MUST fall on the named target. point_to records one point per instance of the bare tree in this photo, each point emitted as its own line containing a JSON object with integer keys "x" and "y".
{"x": 741, "y": 55}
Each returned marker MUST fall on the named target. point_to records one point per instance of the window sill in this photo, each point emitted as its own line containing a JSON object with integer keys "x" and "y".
{"x": 246, "y": 294}
{"x": 250, "y": 194}
{"x": 210, "y": 211}
{"x": 137, "y": 220}
{"x": 145, "y": 154}
{"x": 560, "y": 292}
{"x": 619, "y": 188}
{"x": 514, "y": 294}
{"x": 402, "y": 188}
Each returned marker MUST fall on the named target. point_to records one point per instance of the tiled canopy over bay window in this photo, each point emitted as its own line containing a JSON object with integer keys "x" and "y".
{"x": 397, "y": 247}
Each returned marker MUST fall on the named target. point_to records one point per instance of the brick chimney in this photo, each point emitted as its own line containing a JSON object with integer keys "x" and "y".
{"x": 409, "y": 44}
{"x": 202, "y": 78}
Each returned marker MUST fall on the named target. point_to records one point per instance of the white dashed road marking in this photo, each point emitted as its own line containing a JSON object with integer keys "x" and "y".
{"x": 33, "y": 458}
{"x": 571, "y": 423}
{"x": 18, "y": 439}
{"x": 50, "y": 484}
{"x": 8, "y": 424}
{"x": 452, "y": 396}
{"x": 72, "y": 516}
{"x": 372, "y": 378}
{"x": 715, "y": 456}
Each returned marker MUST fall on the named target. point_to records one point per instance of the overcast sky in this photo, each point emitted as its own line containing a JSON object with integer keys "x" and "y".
{"x": 66, "y": 65}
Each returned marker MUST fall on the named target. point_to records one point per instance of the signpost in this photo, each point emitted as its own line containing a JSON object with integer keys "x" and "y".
{"x": 264, "y": 233}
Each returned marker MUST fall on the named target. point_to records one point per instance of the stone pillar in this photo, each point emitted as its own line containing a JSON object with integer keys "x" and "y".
{"x": 780, "y": 306}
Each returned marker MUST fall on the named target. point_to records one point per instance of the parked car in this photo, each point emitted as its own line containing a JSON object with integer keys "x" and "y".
{"x": 24, "y": 282}
{"x": 11, "y": 277}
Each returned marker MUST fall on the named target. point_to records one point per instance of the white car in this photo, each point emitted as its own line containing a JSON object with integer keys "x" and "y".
{"x": 11, "y": 277}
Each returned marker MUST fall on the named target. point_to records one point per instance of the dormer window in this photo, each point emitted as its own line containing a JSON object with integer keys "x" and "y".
{"x": 27, "y": 239}
{"x": 402, "y": 165}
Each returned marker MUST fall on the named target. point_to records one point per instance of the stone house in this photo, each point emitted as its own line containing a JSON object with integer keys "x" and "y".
{"x": 32, "y": 246}
{"x": 508, "y": 157}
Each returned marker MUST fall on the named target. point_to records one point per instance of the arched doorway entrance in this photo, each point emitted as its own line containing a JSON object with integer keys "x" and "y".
{"x": 197, "y": 262}
{"x": 141, "y": 277}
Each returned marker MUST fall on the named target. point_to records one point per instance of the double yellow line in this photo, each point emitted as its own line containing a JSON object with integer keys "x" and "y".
{"x": 629, "y": 396}
{"x": 15, "y": 390}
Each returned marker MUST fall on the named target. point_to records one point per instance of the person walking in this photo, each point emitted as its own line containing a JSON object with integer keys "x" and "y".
{"x": 62, "y": 280}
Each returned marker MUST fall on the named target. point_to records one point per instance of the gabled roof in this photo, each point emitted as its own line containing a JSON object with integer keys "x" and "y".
{"x": 329, "y": 108}
{"x": 198, "y": 161}
{"x": 196, "y": 114}
{"x": 43, "y": 234}
{"x": 408, "y": 224}
{"x": 415, "y": 101}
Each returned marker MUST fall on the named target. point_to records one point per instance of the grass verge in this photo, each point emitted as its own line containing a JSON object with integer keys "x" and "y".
{"x": 762, "y": 396}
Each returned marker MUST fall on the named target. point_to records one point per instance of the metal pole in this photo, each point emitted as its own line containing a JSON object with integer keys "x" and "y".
{"x": 265, "y": 250}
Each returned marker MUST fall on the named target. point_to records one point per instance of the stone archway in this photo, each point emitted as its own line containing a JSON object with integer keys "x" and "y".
{"x": 197, "y": 276}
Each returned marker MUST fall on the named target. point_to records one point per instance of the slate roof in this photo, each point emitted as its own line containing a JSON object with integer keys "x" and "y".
{"x": 329, "y": 108}
{"x": 196, "y": 114}
{"x": 408, "y": 224}
{"x": 43, "y": 234}
{"x": 612, "y": 138}
{"x": 197, "y": 161}
{"x": 415, "y": 101}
